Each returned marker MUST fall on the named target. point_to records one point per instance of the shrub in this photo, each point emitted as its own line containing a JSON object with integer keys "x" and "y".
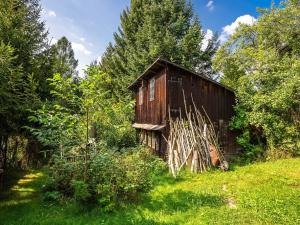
{"x": 261, "y": 62}
{"x": 81, "y": 192}
{"x": 111, "y": 177}
{"x": 52, "y": 196}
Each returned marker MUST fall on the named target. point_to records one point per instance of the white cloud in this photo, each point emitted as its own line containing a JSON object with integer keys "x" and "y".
{"x": 43, "y": 12}
{"x": 208, "y": 36}
{"x": 84, "y": 48}
{"x": 80, "y": 48}
{"x": 51, "y": 13}
{"x": 210, "y": 5}
{"x": 84, "y": 55}
{"x": 229, "y": 30}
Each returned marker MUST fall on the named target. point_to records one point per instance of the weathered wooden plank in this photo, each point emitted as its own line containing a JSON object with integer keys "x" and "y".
{"x": 170, "y": 80}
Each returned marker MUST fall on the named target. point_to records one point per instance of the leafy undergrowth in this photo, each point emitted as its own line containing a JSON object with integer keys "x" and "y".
{"x": 262, "y": 193}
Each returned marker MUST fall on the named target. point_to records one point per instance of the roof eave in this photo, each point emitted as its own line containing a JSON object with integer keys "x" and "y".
{"x": 135, "y": 83}
{"x": 143, "y": 74}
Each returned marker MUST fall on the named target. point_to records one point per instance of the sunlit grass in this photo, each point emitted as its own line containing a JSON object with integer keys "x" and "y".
{"x": 25, "y": 181}
{"x": 33, "y": 175}
{"x": 16, "y": 202}
{"x": 262, "y": 193}
{"x": 22, "y": 189}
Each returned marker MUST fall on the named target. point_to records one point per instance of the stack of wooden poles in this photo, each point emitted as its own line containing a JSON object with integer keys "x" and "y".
{"x": 192, "y": 142}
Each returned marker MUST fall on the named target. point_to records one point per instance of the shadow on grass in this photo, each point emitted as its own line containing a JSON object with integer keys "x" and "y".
{"x": 24, "y": 196}
{"x": 12, "y": 177}
{"x": 10, "y": 180}
{"x": 154, "y": 210}
{"x": 20, "y": 186}
{"x": 239, "y": 161}
{"x": 180, "y": 200}
{"x": 168, "y": 179}
{"x": 168, "y": 204}
{"x": 133, "y": 219}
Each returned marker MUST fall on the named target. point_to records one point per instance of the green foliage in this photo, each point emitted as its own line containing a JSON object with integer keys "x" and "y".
{"x": 57, "y": 123}
{"x": 22, "y": 28}
{"x": 81, "y": 192}
{"x": 78, "y": 108}
{"x": 263, "y": 193}
{"x": 17, "y": 94}
{"x": 64, "y": 61}
{"x": 151, "y": 29}
{"x": 25, "y": 65}
{"x": 111, "y": 118}
{"x": 251, "y": 139}
{"x": 111, "y": 178}
{"x": 52, "y": 196}
{"x": 261, "y": 62}
{"x": 252, "y": 151}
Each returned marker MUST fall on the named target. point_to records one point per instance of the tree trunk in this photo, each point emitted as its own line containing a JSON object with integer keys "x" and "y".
{"x": 3, "y": 158}
{"x": 32, "y": 156}
{"x": 14, "y": 151}
{"x": 4, "y": 143}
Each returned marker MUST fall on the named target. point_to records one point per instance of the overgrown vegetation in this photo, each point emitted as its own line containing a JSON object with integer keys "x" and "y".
{"x": 261, "y": 63}
{"x": 262, "y": 193}
{"x": 27, "y": 60}
{"x": 108, "y": 180}
{"x": 85, "y": 165}
{"x": 80, "y": 128}
{"x": 151, "y": 29}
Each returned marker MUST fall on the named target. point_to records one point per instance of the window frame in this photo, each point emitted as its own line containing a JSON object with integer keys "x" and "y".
{"x": 152, "y": 89}
{"x": 141, "y": 96}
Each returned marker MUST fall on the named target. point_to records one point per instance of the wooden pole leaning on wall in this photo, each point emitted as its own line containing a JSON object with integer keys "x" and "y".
{"x": 193, "y": 142}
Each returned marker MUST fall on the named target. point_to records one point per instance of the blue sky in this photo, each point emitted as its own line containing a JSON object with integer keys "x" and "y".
{"x": 89, "y": 24}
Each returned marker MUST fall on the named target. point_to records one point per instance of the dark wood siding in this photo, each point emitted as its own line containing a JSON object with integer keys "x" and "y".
{"x": 171, "y": 82}
{"x": 216, "y": 100}
{"x": 152, "y": 112}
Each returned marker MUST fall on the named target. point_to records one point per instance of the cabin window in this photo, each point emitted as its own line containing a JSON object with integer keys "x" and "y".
{"x": 176, "y": 79}
{"x": 141, "y": 96}
{"x": 152, "y": 88}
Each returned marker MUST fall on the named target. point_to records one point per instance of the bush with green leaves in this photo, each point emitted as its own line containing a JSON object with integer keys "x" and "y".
{"x": 62, "y": 124}
{"x": 111, "y": 178}
{"x": 261, "y": 62}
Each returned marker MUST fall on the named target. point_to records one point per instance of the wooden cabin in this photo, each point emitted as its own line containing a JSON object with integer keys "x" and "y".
{"x": 159, "y": 90}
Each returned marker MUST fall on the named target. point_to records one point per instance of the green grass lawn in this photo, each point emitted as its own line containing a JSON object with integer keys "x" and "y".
{"x": 262, "y": 193}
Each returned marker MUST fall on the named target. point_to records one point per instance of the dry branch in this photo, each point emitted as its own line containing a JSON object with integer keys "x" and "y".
{"x": 193, "y": 142}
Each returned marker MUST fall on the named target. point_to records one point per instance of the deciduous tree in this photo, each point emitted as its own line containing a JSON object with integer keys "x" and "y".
{"x": 261, "y": 62}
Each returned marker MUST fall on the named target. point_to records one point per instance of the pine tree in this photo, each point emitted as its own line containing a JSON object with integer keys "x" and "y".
{"x": 24, "y": 66}
{"x": 17, "y": 95}
{"x": 21, "y": 28}
{"x": 151, "y": 29}
{"x": 64, "y": 61}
